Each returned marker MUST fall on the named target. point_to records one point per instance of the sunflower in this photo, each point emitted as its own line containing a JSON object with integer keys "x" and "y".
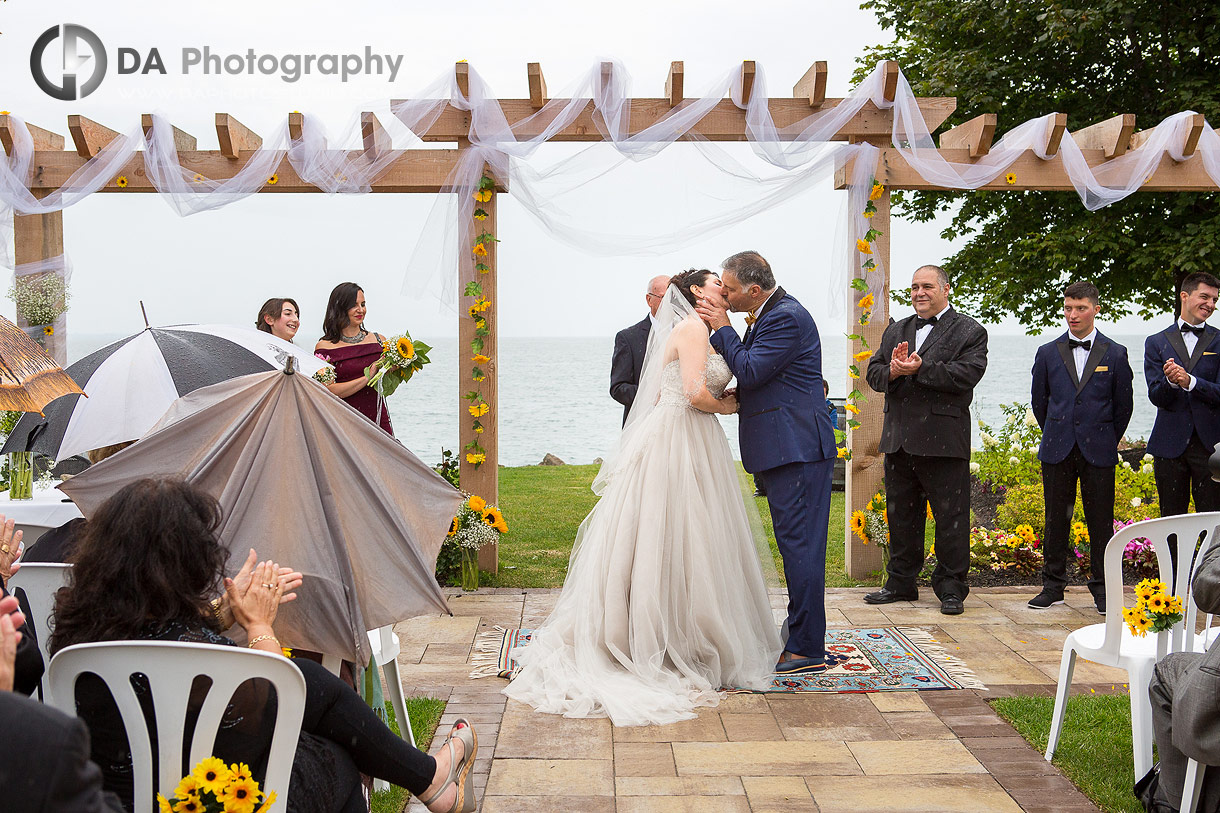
{"x": 267, "y": 803}
{"x": 482, "y": 195}
{"x": 853, "y": 374}
{"x": 479, "y": 410}
{"x": 480, "y": 214}
{"x": 864, "y": 247}
{"x": 477, "y": 504}
{"x": 212, "y": 774}
{"x": 857, "y": 525}
{"x": 240, "y": 796}
{"x": 1142, "y": 623}
{"x": 273, "y": 180}
{"x": 475, "y": 458}
{"x": 405, "y": 348}
{"x": 189, "y": 786}
{"x": 866, "y": 302}
{"x": 48, "y": 330}
{"x": 473, "y": 310}
{"x": 121, "y": 182}
{"x": 862, "y": 355}
{"x": 479, "y": 376}
{"x": 480, "y": 323}
{"x": 453, "y": 528}
{"x": 198, "y": 177}
{"x": 190, "y": 804}
{"x": 877, "y": 191}
{"x": 843, "y": 454}
{"x": 478, "y": 430}
{"x": 163, "y": 805}
{"x": 497, "y": 518}
{"x": 488, "y": 519}
{"x": 480, "y": 358}
{"x": 479, "y": 250}
{"x": 1157, "y": 603}
{"x": 868, "y": 214}
{"x": 1010, "y": 178}
{"x": 852, "y": 408}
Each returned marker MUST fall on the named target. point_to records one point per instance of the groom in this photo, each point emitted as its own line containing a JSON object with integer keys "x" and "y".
{"x": 787, "y": 440}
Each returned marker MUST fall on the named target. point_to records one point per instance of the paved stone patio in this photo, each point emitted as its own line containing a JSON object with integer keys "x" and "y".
{"x": 935, "y": 751}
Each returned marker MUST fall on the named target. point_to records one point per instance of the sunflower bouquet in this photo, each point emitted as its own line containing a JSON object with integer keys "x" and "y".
{"x": 872, "y": 524}
{"x": 401, "y": 358}
{"x": 214, "y": 787}
{"x": 475, "y": 525}
{"x": 1155, "y": 609}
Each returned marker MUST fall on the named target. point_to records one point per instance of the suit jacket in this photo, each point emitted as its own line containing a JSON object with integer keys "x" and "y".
{"x": 783, "y": 415}
{"x": 46, "y": 767}
{"x": 1092, "y": 412}
{"x": 1181, "y": 414}
{"x": 629, "y": 347}
{"x": 1196, "y": 694}
{"x": 929, "y": 413}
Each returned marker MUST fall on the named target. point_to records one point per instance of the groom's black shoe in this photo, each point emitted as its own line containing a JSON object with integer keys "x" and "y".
{"x": 800, "y": 666}
{"x": 886, "y": 596}
{"x": 951, "y": 605}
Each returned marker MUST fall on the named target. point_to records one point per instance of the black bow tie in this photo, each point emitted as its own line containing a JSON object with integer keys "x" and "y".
{"x": 1087, "y": 344}
{"x": 1198, "y": 331}
{"x": 921, "y": 323}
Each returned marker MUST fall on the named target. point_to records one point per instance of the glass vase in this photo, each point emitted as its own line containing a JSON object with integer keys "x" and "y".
{"x": 470, "y": 569}
{"x": 21, "y": 475}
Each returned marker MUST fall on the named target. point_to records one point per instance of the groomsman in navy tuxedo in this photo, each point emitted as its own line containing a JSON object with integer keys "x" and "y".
{"x": 1182, "y": 367}
{"x": 630, "y": 345}
{"x": 1082, "y": 400}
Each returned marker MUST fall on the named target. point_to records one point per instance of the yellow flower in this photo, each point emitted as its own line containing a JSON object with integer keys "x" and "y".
{"x": 864, "y": 247}
{"x": 868, "y": 215}
{"x": 121, "y": 181}
{"x": 1173, "y": 605}
{"x": 501, "y": 526}
{"x": 477, "y": 504}
{"x": 163, "y": 805}
{"x": 1143, "y": 623}
{"x": 188, "y": 786}
{"x": 852, "y": 408}
{"x": 842, "y": 454}
{"x": 473, "y": 310}
{"x": 482, "y": 195}
{"x": 212, "y": 774}
{"x": 453, "y": 527}
{"x": 479, "y": 376}
{"x": 475, "y": 459}
{"x": 479, "y": 214}
{"x": 49, "y": 330}
{"x": 857, "y": 525}
{"x": 267, "y": 803}
{"x": 479, "y": 250}
{"x": 5, "y": 113}
{"x": 190, "y": 804}
{"x": 479, "y": 410}
{"x": 478, "y": 430}
{"x": 480, "y": 358}
{"x": 198, "y": 177}
{"x": 481, "y": 304}
{"x": 853, "y": 374}
{"x": 1157, "y": 603}
{"x": 286, "y": 651}
{"x": 862, "y": 355}
{"x": 488, "y": 519}
{"x": 240, "y": 796}
{"x": 877, "y": 191}
{"x": 405, "y": 348}
{"x": 273, "y": 180}
{"x": 1010, "y": 178}
{"x": 480, "y": 323}
{"x": 866, "y": 302}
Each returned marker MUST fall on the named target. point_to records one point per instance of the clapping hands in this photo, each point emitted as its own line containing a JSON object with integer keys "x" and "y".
{"x": 903, "y": 362}
{"x": 1176, "y": 374}
{"x": 253, "y": 596}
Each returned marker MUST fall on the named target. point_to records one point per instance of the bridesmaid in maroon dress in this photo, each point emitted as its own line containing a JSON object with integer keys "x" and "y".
{"x": 350, "y": 349}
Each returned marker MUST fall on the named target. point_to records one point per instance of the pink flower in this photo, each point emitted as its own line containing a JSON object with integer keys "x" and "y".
{"x": 322, "y": 356}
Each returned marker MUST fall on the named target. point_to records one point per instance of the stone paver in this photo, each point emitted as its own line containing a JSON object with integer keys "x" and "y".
{"x": 903, "y": 752}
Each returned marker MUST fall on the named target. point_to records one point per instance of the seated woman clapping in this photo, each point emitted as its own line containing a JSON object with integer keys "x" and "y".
{"x": 147, "y": 568}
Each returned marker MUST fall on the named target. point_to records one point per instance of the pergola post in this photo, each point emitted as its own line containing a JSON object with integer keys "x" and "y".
{"x": 865, "y": 469}
{"x": 482, "y": 479}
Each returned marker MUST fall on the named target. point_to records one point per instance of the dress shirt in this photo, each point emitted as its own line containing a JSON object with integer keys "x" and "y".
{"x": 1081, "y": 355}
{"x": 922, "y": 333}
{"x": 1190, "y": 340}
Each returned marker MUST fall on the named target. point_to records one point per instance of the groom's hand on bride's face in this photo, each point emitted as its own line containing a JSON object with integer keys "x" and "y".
{"x": 714, "y": 312}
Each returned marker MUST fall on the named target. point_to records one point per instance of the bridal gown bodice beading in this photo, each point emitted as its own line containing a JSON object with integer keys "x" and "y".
{"x": 664, "y": 601}
{"x": 717, "y": 376}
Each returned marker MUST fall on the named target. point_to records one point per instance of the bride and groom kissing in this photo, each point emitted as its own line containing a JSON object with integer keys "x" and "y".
{"x": 665, "y": 600}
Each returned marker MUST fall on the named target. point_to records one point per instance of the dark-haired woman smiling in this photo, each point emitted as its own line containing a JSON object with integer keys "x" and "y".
{"x": 163, "y": 532}
{"x": 351, "y": 349}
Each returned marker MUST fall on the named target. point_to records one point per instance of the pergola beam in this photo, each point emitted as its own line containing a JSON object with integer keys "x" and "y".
{"x": 1054, "y": 135}
{"x": 889, "y": 86}
{"x": 675, "y": 83}
{"x": 974, "y": 136}
{"x": 235, "y": 138}
{"x": 812, "y": 85}
{"x": 43, "y": 139}
{"x": 89, "y": 137}
{"x": 537, "y": 83}
{"x": 1112, "y": 136}
{"x": 1190, "y": 143}
{"x": 183, "y": 141}
{"x": 461, "y": 74}
{"x": 748, "y": 70}
{"x": 377, "y": 141}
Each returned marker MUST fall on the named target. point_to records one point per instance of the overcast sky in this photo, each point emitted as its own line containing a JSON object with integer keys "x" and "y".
{"x": 220, "y": 266}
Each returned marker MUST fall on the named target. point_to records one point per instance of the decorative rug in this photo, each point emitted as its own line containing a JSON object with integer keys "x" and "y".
{"x": 885, "y": 659}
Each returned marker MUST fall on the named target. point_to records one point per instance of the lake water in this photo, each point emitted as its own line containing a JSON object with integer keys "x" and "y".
{"x": 554, "y": 393}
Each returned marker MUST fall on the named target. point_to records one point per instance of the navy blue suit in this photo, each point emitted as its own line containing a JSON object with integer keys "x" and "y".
{"x": 786, "y": 437}
{"x": 1187, "y": 424}
{"x": 1082, "y": 419}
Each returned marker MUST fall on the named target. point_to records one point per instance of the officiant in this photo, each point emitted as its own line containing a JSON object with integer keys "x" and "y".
{"x": 629, "y": 347}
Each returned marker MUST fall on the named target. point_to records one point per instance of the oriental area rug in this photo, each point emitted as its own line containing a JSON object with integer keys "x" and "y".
{"x": 883, "y": 659}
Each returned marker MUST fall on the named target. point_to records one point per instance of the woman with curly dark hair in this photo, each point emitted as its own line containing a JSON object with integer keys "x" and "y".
{"x": 148, "y": 567}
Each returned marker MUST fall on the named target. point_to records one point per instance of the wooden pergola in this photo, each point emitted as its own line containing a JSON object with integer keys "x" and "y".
{"x": 40, "y": 237}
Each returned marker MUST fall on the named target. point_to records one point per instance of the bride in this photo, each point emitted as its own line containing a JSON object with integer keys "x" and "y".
{"x": 664, "y": 601}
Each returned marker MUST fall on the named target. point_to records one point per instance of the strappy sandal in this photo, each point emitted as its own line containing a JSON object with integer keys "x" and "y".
{"x": 460, "y": 771}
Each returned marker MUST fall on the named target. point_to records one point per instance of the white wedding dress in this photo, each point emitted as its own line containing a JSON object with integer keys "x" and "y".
{"x": 664, "y": 601}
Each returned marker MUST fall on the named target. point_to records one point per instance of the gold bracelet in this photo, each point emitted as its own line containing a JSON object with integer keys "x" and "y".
{"x": 263, "y": 638}
{"x": 220, "y": 622}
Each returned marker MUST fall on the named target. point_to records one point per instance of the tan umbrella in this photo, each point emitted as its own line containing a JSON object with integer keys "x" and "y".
{"x": 29, "y": 378}
{"x": 308, "y": 481}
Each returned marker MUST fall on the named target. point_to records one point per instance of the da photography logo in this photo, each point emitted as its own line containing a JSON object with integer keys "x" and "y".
{"x": 82, "y": 65}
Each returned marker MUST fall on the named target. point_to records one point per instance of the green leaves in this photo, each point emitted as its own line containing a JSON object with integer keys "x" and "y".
{"x": 474, "y": 289}
{"x": 859, "y": 284}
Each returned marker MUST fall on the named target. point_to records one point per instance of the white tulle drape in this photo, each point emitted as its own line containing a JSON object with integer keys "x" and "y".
{"x": 788, "y": 160}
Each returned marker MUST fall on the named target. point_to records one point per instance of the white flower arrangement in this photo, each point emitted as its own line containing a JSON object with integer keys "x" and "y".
{"x": 40, "y": 298}
{"x": 1136, "y": 502}
{"x": 974, "y": 467}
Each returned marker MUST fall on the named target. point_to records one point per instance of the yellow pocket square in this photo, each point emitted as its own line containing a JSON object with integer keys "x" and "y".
{"x": 1208, "y": 353}
{"x": 1102, "y": 369}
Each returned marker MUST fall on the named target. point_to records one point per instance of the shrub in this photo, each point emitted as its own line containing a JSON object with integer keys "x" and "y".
{"x": 1009, "y": 456}
{"x": 1023, "y": 505}
{"x": 1018, "y": 551}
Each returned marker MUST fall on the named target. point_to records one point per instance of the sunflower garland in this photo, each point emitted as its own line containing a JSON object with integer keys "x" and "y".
{"x": 476, "y": 455}
{"x": 864, "y": 307}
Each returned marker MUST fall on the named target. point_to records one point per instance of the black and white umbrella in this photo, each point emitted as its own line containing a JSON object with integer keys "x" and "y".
{"x": 132, "y": 382}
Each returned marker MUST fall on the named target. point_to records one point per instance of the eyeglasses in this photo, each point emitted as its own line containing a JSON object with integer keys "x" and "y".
{"x": 650, "y": 293}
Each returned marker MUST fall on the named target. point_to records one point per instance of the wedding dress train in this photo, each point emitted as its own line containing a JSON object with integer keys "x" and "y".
{"x": 664, "y": 601}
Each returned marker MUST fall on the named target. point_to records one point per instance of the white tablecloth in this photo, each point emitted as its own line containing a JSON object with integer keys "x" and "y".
{"x": 47, "y": 510}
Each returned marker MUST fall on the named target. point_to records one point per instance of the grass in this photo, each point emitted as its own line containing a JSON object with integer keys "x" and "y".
{"x": 1095, "y": 746}
{"x": 545, "y": 505}
{"x": 425, "y": 713}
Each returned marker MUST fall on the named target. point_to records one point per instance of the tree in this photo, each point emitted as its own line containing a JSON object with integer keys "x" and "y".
{"x": 1092, "y": 60}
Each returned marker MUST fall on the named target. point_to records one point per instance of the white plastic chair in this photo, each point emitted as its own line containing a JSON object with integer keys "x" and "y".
{"x": 171, "y": 668}
{"x": 39, "y": 582}
{"x": 1112, "y": 644}
{"x": 384, "y": 647}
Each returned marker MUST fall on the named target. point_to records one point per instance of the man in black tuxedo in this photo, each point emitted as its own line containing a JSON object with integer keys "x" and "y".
{"x": 927, "y": 366}
{"x": 1082, "y": 400}
{"x": 1182, "y": 368}
{"x": 630, "y": 345}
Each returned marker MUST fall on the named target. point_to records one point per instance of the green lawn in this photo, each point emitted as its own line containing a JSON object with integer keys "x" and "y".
{"x": 1095, "y": 747}
{"x": 425, "y": 713}
{"x": 544, "y": 505}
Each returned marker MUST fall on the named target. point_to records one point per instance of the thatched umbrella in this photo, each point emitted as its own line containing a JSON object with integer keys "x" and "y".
{"x": 29, "y": 378}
